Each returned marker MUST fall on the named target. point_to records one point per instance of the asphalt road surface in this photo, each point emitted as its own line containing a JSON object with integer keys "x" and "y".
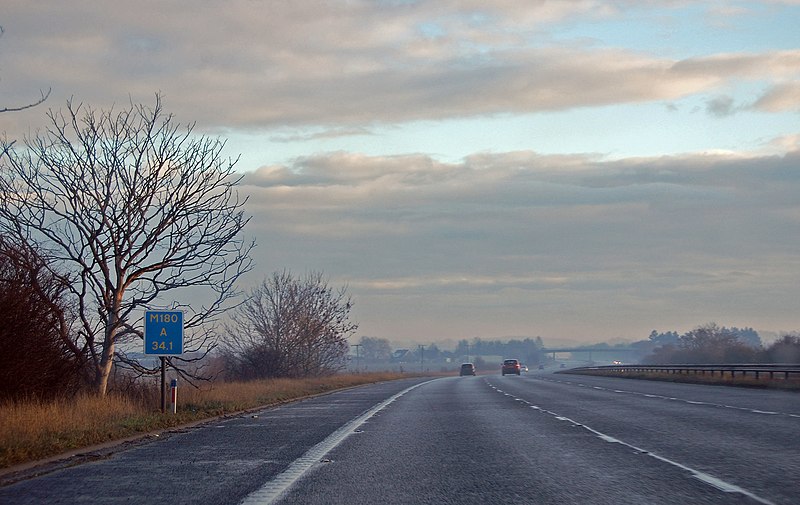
{"x": 537, "y": 438}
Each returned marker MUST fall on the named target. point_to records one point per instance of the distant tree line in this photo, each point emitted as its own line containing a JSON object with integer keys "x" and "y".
{"x": 376, "y": 351}
{"x": 711, "y": 343}
{"x": 708, "y": 343}
{"x": 528, "y": 350}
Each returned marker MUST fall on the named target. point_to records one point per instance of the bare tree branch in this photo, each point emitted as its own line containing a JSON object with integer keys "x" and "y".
{"x": 41, "y": 99}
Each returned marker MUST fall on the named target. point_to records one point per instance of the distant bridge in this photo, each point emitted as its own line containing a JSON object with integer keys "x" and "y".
{"x": 590, "y": 350}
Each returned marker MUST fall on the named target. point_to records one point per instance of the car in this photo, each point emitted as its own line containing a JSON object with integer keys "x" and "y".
{"x": 510, "y": 366}
{"x": 563, "y": 365}
{"x": 523, "y": 368}
{"x": 467, "y": 369}
{"x": 617, "y": 362}
{"x": 541, "y": 367}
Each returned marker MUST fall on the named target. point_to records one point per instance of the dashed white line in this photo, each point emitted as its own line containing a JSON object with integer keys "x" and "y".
{"x": 715, "y": 482}
{"x": 673, "y": 399}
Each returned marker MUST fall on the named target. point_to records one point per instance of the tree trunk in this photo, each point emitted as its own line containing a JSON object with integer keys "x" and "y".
{"x": 103, "y": 369}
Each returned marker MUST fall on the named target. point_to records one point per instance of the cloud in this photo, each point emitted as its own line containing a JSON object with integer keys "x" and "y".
{"x": 520, "y": 203}
{"x": 321, "y": 135}
{"x": 782, "y": 97}
{"x": 553, "y": 239}
{"x": 721, "y": 106}
{"x": 786, "y": 143}
{"x": 263, "y": 65}
{"x": 524, "y": 241}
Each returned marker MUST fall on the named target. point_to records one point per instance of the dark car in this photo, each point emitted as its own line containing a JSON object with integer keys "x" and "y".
{"x": 510, "y": 366}
{"x": 467, "y": 369}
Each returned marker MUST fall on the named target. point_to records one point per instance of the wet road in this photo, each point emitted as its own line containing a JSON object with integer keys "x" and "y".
{"x": 538, "y": 438}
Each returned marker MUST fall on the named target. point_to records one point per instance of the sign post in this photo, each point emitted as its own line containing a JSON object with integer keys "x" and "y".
{"x": 163, "y": 336}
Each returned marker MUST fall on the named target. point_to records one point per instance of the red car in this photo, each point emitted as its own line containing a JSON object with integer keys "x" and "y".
{"x": 510, "y": 366}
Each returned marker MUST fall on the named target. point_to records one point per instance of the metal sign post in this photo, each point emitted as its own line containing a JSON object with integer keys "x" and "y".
{"x": 163, "y": 380}
{"x": 163, "y": 336}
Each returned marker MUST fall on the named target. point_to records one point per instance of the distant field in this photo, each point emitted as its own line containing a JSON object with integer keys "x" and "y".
{"x": 30, "y": 431}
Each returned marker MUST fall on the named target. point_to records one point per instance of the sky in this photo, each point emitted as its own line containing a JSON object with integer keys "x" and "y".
{"x": 578, "y": 170}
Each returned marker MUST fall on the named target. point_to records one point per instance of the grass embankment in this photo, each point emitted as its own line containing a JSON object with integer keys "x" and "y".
{"x": 33, "y": 430}
{"x": 763, "y": 382}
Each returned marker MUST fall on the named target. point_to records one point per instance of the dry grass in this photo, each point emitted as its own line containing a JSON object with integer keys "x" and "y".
{"x": 32, "y": 430}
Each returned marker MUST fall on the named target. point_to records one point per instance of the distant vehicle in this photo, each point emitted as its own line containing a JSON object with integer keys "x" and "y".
{"x": 510, "y": 366}
{"x": 541, "y": 367}
{"x": 617, "y": 362}
{"x": 467, "y": 369}
{"x": 523, "y": 368}
{"x": 563, "y": 365}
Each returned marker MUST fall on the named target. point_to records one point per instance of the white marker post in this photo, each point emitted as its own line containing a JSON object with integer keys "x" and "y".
{"x": 174, "y": 385}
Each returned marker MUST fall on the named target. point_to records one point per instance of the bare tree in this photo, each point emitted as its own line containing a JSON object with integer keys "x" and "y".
{"x": 375, "y": 349}
{"x": 138, "y": 210}
{"x": 290, "y": 327}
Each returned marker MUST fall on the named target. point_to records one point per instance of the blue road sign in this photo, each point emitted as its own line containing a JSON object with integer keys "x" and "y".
{"x": 163, "y": 332}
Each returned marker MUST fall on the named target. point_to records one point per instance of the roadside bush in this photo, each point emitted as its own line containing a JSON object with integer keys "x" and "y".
{"x": 36, "y": 360}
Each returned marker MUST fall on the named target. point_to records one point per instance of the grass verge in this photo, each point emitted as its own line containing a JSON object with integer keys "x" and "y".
{"x": 32, "y": 430}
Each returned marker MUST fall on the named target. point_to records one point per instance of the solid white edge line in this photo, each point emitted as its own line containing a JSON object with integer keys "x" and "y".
{"x": 271, "y": 491}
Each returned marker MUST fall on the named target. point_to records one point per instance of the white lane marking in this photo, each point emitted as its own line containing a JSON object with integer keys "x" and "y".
{"x": 715, "y": 482}
{"x": 690, "y": 402}
{"x": 274, "y": 489}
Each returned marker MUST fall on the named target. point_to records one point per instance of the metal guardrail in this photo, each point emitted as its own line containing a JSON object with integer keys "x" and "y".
{"x": 757, "y": 370}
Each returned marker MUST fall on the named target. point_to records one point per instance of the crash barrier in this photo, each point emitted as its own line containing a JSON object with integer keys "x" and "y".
{"x": 784, "y": 371}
